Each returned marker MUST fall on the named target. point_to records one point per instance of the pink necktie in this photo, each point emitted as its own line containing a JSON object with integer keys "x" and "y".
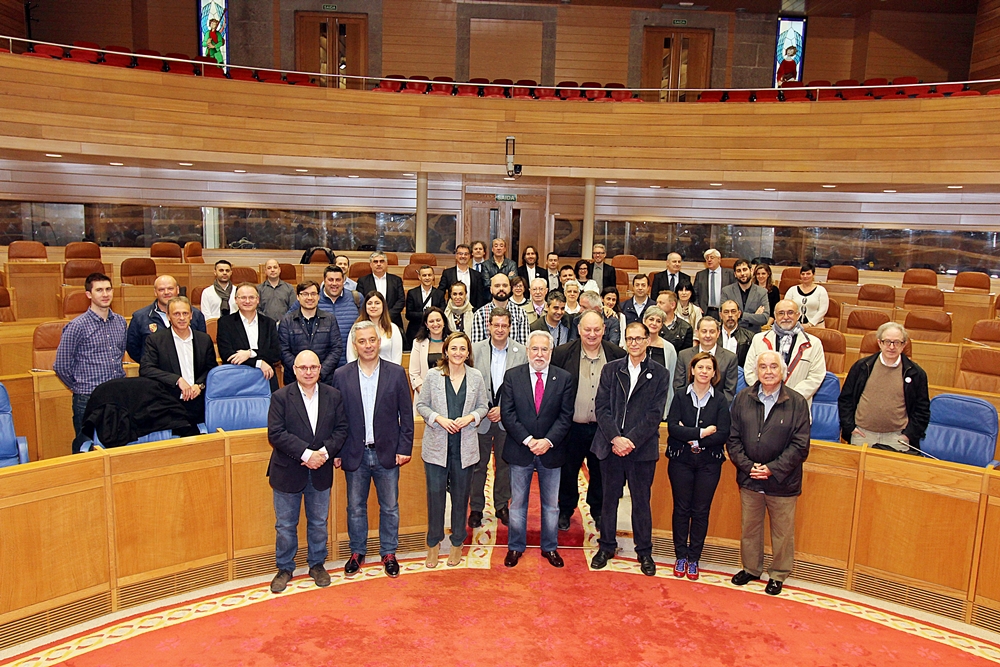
{"x": 539, "y": 391}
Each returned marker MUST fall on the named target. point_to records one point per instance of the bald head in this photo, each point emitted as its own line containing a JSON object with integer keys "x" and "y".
{"x": 770, "y": 370}
{"x": 307, "y": 369}
{"x": 786, "y": 314}
{"x": 166, "y": 289}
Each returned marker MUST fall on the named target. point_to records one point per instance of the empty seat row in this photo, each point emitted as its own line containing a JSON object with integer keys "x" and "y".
{"x": 524, "y": 89}
{"x": 806, "y": 94}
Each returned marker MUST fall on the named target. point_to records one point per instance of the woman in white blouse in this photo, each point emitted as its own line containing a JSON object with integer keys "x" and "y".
{"x": 587, "y": 284}
{"x": 572, "y": 291}
{"x": 373, "y": 308}
{"x": 812, "y": 299}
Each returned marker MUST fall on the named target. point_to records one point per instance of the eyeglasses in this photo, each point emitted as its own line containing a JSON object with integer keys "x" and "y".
{"x": 309, "y": 294}
{"x": 635, "y": 340}
{"x": 246, "y": 298}
{"x": 892, "y": 343}
{"x": 309, "y": 369}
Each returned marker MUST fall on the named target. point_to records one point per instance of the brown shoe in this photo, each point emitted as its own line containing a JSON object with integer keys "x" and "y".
{"x": 455, "y": 556}
{"x": 280, "y": 581}
{"x": 320, "y": 575}
{"x": 432, "y": 556}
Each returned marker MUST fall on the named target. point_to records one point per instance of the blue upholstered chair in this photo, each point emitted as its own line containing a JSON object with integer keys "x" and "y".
{"x": 155, "y": 436}
{"x": 963, "y": 429}
{"x": 741, "y": 381}
{"x": 236, "y": 397}
{"x": 825, "y": 414}
{"x": 13, "y": 448}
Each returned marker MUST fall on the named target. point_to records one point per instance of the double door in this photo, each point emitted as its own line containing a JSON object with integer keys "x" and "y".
{"x": 676, "y": 59}
{"x": 333, "y": 44}
{"x": 521, "y": 223}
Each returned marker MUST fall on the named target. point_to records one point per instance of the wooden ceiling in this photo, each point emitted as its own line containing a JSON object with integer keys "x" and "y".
{"x": 800, "y": 7}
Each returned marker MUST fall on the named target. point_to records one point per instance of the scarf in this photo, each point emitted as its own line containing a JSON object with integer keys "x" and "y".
{"x": 785, "y": 339}
{"x": 223, "y": 295}
{"x": 456, "y": 316}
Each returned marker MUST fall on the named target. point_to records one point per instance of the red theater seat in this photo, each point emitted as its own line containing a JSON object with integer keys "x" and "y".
{"x": 45, "y": 51}
{"x": 949, "y": 88}
{"x": 117, "y": 56}
{"x": 152, "y": 63}
{"x": 569, "y": 94}
{"x": 769, "y": 95}
{"x": 594, "y": 94}
{"x": 522, "y": 90}
{"x": 270, "y": 77}
{"x": 497, "y": 90}
{"x": 186, "y": 68}
{"x": 739, "y": 95}
{"x": 966, "y": 93}
{"x": 443, "y": 85}
{"x": 417, "y": 85}
{"x": 297, "y": 78}
{"x": 84, "y": 55}
{"x": 471, "y": 89}
{"x": 241, "y": 74}
{"x": 711, "y": 96}
{"x": 391, "y": 84}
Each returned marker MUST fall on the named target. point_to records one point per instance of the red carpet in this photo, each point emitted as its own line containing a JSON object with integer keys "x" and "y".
{"x": 569, "y": 538}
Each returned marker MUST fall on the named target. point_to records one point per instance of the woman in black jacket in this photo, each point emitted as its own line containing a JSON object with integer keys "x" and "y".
{"x": 699, "y": 427}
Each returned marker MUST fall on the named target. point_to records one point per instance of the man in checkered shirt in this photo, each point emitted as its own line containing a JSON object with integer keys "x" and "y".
{"x": 500, "y": 288}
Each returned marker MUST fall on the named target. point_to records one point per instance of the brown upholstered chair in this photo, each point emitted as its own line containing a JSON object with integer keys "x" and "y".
{"x": 212, "y": 328}
{"x": 244, "y": 274}
{"x": 621, "y": 277}
{"x": 288, "y": 274}
{"x": 932, "y": 325}
{"x": 923, "y": 298}
{"x": 627, "y": 262}
{"x": 26, "y": 251}
{"x": 392, "y": 258}
{"x": 920, "y": 277}
{"x": 138, "y": 271}
{"x": 75, "y": 271}
{"x": 358, "y": 270}
{"x": 728, "y": 262}
{"x": 881, "y": 296}
{"x": 841, "y": 273}
{"x": 869, "y": 346}
{"x": 82, "y": 250}
{"x": 986, "y": 331}
{"x": 75, "y": 303}
{"x": 979, "y": 370}
{"x": 791, "y": 273}
{"x": 319, "y": 258}
{"x": 411, "y": 272}
{"x": 193, "y": 253}
{"x": 166, "y": 250}
{"x": 194, "y": 296}
{"x": 863, "y": 321}
{"x": 834, "y": 347}
{"x": 832, "y": 318}
{"x": 969, "y": 281}
{"x": 420, "y": 258}
{"x": 787, "y": 284}
{"x": 6, "y": 308}
{"x": 44, "y": 344}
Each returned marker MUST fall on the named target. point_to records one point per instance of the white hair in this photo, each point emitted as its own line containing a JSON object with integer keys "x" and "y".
{"x": 544, "y": 334}
{"x": 712, "y": 251}
{"x": 358, "y": 326}
{"x": 781, "y": 361}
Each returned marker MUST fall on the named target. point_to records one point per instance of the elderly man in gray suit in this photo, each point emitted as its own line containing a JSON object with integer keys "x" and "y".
{"x": 707, "y": 340}
{"x": 492, "y": 358}
{"x": 751, "y": 298}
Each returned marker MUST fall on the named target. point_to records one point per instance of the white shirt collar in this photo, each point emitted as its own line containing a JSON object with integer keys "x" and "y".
{"x": 250, "y": 321}
{"x": 881, "y": 359}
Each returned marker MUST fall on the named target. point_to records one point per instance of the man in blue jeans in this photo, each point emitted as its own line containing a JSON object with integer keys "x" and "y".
{"x": 379, "y": 441}
{"x": 536, "y": 408}
{"x": 306, "y": 427}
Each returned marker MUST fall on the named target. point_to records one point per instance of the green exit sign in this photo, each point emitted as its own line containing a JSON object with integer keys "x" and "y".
{"x": 506, "y": 197}
{"x": 676, "y": 21}
{"x": 329, "y": 8}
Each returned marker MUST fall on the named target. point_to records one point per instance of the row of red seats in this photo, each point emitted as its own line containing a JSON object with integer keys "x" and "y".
{"x": 796, "y": 91}
{"x": 150, "y": 60}
{"x": 524, "y": 89}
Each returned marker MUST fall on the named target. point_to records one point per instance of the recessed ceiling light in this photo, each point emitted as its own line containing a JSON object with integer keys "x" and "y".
{"x": 240, "y": 171}
{"x": 117, "y": 164}
{"x": 302, "y": 171}
{"x": 53, "y": 155}
{"x": 610, "y": 182}
{"x": 409, "y": 174}
{"x": 954, "y": 187}
{"x": 186, "y": 164}
{"x": 353, "y": 176}
{"x": 829, "y": 186}
{"x": 656, "y": 187}
{"x": 509, "y": 178}
{"x": 770, "y": 189}
{"x": 889, "y": 191}
{"x": 716, "y": 185}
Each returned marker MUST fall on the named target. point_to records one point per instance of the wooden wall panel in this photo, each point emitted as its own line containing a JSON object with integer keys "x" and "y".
{"x": 12, "y": 19}
{"x": 173, "y": 26}
{"x": 829, "y": 48}
{"x": 106, "y": 22}
{"x": 985, "y": 61}
{"x": 932, "y": 47}
{"x": 501, "y": 49}
{"x": 418, "y": 37}
{"x": 592, "y": 44}
{"x": 988, "y": 579}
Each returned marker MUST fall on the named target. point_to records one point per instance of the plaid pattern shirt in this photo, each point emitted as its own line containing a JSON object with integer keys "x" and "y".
{"x": 90, "y": 351}
{"x": 518, "y": 324}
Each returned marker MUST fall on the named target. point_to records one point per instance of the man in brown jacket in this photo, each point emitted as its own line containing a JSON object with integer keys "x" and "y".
{"x": 768, "y": 442}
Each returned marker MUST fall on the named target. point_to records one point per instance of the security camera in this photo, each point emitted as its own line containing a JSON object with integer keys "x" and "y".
{"x": 517, "y": 170}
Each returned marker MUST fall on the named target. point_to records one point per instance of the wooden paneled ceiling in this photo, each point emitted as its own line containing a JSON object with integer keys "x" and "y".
{"x": 806, "y": 7}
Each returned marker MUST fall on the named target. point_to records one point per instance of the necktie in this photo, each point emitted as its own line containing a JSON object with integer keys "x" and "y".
{"x": 711, "y": 290}
{"x": 539, "y": 391}
{"x": 673, "y": 283}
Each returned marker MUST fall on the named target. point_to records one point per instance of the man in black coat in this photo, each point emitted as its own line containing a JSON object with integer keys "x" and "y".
{"x": 306, "y": 428}
{"x": 249, "y": 338}
{"x": 386, "y": 284}
{"x": 419, "y": 299}
{"x": 630, "y": 403}
{"x": 478, "y": 293}
{"x": 181, "y": 358}
{"x": 536, "y": 408}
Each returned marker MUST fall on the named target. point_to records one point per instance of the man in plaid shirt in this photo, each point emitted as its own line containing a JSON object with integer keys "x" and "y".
{"x": 500, "y": 288}
{"x": 92, "y": 346}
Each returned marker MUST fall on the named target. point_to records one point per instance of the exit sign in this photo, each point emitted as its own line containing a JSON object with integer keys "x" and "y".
{"x": 676, "y": 21}
{"x": 333, "y": 8}
{"x": 506, "y": 197}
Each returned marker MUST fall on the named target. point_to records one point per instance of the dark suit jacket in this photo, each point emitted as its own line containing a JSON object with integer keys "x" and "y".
{"x": 744, "y": 337}
{"x": 517, "y": 412}
{"x": 610, "y": 278}
{"x": 290, "y": 435}
{"x": 661, "y": 282}
{"x": 701, "y": 287}
{"x": 395, "y": 298}
{"x": 724, "y": 359}
{"x": 540, "y": 272}
{"x": 393, "y": 421}
{"x": 159, "y": 360}
{"x": 756, "y": 297}
{"x": 636, "y": 416}
{"x": 415, "y": 309}
{"x": 566, "y": 324}
{"x": 479, "y": 296}
{"x": 567, "y": 357}
{"x": 628, "y": 309}
{"x": 232, "y": 337}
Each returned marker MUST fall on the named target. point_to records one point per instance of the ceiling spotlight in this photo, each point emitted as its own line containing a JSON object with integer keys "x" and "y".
{"x": 610, "y": 182}
{"x": 240, "y": 171}
{"x": 769, "y": 189}
{"x": 829, "y": 186}
{"x": 353, "y": 176}
{"x": 656, "y": 187}
{"x": 186, "y": 164}
{"x": 716, "y": 185}
{"x": 302, "y": 171}
{"x": 510, "y": 178}
{"x": 53, "y": 155}
{"x": 409, "y": 174}
{"x": 117, "y": 164}
{"x": 889, "y": 191}
{"x": 954, "y": 187}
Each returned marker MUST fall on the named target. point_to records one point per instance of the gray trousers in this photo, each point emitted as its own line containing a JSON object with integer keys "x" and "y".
{"x": 782, "y": 513}
{"x": 491, "y": 441}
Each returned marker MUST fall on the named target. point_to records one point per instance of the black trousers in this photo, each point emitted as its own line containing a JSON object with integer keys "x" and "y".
{"x": 693, "y": 480}
{"x": 616, "y": 470}
{"x": 577, "y": 448}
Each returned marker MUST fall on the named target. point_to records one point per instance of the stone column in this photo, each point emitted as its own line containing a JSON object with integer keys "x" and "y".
{"x": 587, "y": 233}
{"x": 420, "y": 243}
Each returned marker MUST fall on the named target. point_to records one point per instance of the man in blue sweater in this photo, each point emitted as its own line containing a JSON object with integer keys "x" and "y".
{"x": 342, "y": 303}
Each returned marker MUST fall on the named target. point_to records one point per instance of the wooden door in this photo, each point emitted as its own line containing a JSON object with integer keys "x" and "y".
{"x": 332, "y": 44}
{"x": 676, "y": 59}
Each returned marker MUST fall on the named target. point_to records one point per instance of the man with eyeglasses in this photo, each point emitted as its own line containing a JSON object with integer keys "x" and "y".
{"x": 884, "y": 401}
{"x": 802, "y": 352}
{"x": 248, "y": 337}
{"x": 310, "y": 328}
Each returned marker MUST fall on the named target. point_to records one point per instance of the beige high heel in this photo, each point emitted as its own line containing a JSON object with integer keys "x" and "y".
{"x": 432, "y": 556}
{"x": 454, "y": 556}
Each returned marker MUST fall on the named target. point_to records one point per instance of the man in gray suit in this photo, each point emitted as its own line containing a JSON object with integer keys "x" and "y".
{"x": 492, "y": 358}
{"x": 751, "y": 298}
{"x": 710, "y": 281}
{"x": 708, "y": 341}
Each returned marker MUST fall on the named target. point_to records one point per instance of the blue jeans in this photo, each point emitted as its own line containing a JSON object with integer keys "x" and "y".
{"x": 548, "y": 487}
{"x": 286, "y": 513}
{"x": 359, "y": 483}
{"x": 79, "y": 407}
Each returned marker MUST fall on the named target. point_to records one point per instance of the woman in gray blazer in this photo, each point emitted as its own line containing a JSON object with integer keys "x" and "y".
{"x": 452, "y": 402}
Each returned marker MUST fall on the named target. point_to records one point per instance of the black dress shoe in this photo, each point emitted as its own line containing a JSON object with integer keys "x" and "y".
{"x": 600, "y": 560}
{"x": 280, "y": 581}
{"x": 503, "y": 514}
{"x": 742, "y": 578}
{"x": 320, "y": 575}
{"x": 475, "y": 519}
{"x": 391, "y": 565}
{"x": 555, "y": 560}
{"x": 773, "y": 587}
{"x": 352, "y": 566}
{"x": 564, "y": 521}
{"x": 647, "y": 566}
{"x": 512, "y": 558}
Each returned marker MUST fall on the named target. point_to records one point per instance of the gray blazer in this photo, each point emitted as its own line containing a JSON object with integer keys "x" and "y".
{"x": 432, "y": 401}
{"x": 726, "y": 361}
{"x": 516, "y": 355}
{"x": 755, "y": 299}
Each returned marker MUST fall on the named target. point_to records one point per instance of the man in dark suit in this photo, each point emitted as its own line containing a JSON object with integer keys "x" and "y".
{"x": 181, "y": 357}
{"x": 536, "y": 407}
{"x": 419, "y": 299}
{"x": 478, "y": 294}
{"x": 386, "y": 284}
{"x": 752, "y": 299}
{"x": 154, "y": 316}
{"x": 708, "y": 283}
{"x": 248, "y": 337}
{"x": 583, "y": 359}
{"x": 600, "y": 271}
{"x": 630, "y": 402}
{"x": 555, "y": 320}
{"x": 671, "y": 279}
{"x": 632, "y": 309}
{"x": 707, "y": 340}
{"x": 734, "y": 338}
{"x": 551, "y": 273}
{"x": 306, "y": 428}
{"x": 376, "y": 396}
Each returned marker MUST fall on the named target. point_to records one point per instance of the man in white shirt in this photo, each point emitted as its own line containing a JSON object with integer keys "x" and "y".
{"x": 248, "y": 337}
{"x": 219, "y": 298}
{"x": 344, "y": 262}
{"x": 535, "y": 308}
{"x": 462, "y": 272}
